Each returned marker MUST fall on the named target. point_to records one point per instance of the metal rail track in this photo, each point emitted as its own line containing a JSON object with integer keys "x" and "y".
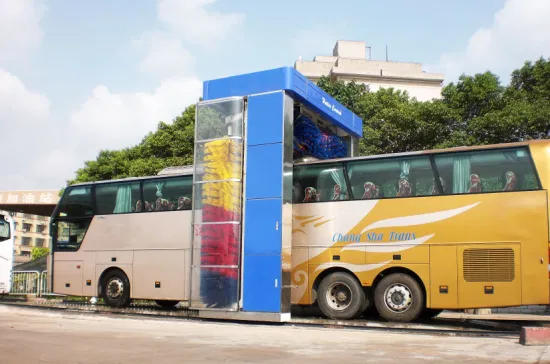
{"x": 440, "y": 327}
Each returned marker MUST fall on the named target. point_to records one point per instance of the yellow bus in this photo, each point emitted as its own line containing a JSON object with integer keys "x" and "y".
{"x": 407, "y": 234}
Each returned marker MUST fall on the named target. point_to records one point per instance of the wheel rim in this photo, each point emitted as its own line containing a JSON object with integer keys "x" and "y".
{"x": 338, "y": 296}
{"x": 398, "y": 298}
{"x": 115, "y": 288}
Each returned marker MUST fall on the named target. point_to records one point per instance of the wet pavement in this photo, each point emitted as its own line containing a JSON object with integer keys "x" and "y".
{"x": 30, "y": 335}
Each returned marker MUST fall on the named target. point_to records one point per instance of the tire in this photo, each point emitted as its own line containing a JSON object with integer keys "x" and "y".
{"x": 430, "y": 313}
{"x": 116, "y": 289}
{"x": 340, "y": 296}
{"x": 408, "y": 298}
{"x": 166, "y": 303}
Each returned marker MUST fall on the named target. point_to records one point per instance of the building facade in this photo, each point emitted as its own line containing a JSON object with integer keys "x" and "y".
{"x": 349, "y": 62}
{"x": 30, "y": 231}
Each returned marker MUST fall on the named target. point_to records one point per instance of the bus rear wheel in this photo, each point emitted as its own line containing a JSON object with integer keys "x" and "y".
{"x": 166, "y": 303}
{"x": 340, "y": 296}
{"x": 116, "y": 289}
{"x": 399, "y": 298}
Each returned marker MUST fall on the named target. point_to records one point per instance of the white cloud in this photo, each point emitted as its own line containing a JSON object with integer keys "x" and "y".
{"x": 114, "y": 120}
{"x": 520, "y": 32}
{"x": 195, "y": 24}
{"x": 19, "y": 27}
{"x": 44, "y": 151}
{"x": 24, "y": 130}
{"x": 18, "y": 105}
{"x": 164, "y": 55}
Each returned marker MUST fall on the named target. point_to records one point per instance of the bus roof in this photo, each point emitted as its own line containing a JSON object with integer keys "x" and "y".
{"x": 130, "y": 179}
{"x": 429, "y": 151}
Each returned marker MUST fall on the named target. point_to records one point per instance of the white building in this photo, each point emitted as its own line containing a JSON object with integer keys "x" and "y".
{"x": 349, "y": 62}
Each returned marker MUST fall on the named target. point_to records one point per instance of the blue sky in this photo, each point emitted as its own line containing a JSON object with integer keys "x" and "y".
{"x": 80, "y": 76}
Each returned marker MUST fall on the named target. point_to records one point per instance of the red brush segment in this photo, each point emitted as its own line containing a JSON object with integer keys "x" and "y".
{"x": 220, "y": 244}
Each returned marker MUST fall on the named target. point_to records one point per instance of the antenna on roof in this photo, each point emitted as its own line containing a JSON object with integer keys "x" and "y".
{"x": 386, "y": 52}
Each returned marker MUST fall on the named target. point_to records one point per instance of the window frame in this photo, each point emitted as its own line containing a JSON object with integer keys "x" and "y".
{"x": 189, "y": 176}
{"x": 95, "y": 186}
{"x": 435, "y": 171}
{"x": 390, "y": 158}
{"x": 340, "y": 164}
{"x": 525, "y": 148}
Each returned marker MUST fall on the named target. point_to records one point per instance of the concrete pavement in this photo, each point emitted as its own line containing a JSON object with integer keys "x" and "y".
{"x": 39, "y": 336}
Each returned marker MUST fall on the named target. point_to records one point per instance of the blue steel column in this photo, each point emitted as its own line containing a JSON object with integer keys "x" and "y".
{"x": 264, "y": 227}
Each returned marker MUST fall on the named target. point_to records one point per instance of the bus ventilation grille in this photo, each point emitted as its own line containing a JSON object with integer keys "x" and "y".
{"x": 489, "y": 265}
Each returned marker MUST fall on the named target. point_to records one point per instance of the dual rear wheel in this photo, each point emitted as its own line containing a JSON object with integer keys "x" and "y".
{"x": 398, "y": 297}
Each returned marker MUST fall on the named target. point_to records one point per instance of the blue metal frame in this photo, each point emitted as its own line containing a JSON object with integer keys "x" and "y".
{"x": 267, "y": 188}
{"x": 293, "y": 82}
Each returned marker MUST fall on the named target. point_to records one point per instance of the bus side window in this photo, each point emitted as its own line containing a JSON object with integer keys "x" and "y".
{"x": 319, "y": 183}
{"x": 372, "y": 179}
{"x": 169, "y": 194}
{"x": 117, "y": 198}
{"x": 497, "y": 170}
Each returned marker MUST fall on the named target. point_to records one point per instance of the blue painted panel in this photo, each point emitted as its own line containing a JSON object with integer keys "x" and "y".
{"x": 262, "y": 283}
{"x": 295, "y": 83}
{"x": 265, "y": 118}
{"x": 264, "y": 168}
{"x": 263, "y": 227}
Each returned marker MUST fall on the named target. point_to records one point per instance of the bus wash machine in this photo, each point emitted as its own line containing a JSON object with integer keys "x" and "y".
{"x": 249, "y": 129}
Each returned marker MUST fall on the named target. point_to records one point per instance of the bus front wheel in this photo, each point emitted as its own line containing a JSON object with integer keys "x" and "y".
{"x": 340, "y": 296}
{"x": 116, "y": 289}
{"x": 399, "y": 298}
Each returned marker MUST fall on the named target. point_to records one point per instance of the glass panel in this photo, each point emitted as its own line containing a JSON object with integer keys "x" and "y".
{"x": 217, "y": 244}
{"x": 76, "y": 202}
{"x": 216, "y": 288}
{"x": 168, "y": 194}
{"x": 70, "y": 234}
{"x": 319, "y": 183}
{"x": 218, "y": 201}
{"x": 487, "y": 171}
{"x": 371, "y": 179}
{"x": 4, "y": 229}
{"x": 118, "y": 198}
{"x": 219, "y": 119}
{"x": 219, "y": 160}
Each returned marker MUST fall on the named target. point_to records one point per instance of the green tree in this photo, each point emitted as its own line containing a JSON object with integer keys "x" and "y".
{"x": 348, "y": 94}
{"x": 474, "y": 96}
{"x": 38, "y": 252}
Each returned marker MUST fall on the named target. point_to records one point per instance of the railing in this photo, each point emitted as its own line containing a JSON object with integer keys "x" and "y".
{"x": 29, "y": 283}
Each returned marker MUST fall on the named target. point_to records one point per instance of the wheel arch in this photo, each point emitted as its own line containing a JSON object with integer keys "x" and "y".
{"x": 326, "y": 273}
{"x": 392, "y": 270}
{"x": 104, "y": 273}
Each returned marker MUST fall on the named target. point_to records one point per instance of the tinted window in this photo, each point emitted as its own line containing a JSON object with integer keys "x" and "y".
{"x": 371, "y": 179}
{"x": 168, "y": 194}
{"x": 70, "y": 234}
{"x": 487, "y": 171}
{"x": 117, "y": 198}
{"x": 76, "y": 202}
{"x": 318, "y": 183}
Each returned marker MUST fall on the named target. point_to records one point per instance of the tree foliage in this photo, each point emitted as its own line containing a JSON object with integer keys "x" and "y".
{"x": 39, "y": 252}
{"x": 475, "y": 110}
